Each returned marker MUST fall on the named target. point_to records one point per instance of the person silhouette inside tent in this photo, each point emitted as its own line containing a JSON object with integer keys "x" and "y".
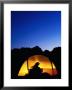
{"x": 35, "y": 72}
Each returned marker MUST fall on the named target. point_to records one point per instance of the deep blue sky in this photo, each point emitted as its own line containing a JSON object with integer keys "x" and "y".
{"x": 36, "y": 28}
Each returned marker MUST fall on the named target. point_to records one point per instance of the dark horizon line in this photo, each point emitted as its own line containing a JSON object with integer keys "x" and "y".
{"x": 36, "y": 46}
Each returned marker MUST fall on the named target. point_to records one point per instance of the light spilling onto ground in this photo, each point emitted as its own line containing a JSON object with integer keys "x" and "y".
{"x": 44, "y": 63}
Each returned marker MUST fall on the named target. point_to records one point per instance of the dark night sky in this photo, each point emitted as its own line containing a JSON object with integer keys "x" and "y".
{"x": 36, "y": 28}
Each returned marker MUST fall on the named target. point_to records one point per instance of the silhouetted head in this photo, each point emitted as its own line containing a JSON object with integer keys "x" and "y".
{"x": 37, "y": 64}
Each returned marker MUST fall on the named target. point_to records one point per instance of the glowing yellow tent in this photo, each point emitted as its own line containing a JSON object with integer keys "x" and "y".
{"x": 45, "y": 64}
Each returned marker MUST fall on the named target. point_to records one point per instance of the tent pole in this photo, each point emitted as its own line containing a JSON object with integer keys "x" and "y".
{"x": 27, "y": 66}
{"x": 52, "y": 67}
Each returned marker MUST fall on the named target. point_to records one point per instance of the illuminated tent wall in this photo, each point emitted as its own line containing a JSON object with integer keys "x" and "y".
{"x": 45, "y": 64}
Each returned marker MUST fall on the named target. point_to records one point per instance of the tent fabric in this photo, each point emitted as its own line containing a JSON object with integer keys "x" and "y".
{"x": 44, "y": 63}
